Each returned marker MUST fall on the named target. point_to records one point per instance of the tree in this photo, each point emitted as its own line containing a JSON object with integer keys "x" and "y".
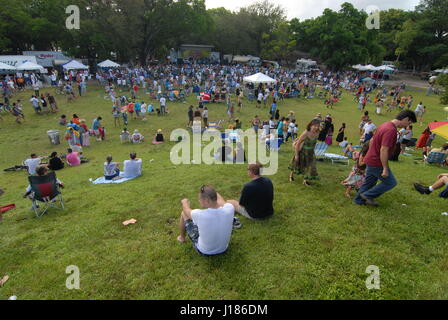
{"x": 279, "y": 45}
{"x": 443, "y": 81}
{"x": 339, "y": 39}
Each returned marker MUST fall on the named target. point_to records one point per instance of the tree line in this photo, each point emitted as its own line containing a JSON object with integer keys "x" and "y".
{"x": 137, "y": 31}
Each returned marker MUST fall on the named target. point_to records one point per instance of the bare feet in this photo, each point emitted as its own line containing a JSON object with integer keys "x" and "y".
{"x": 181, "y": 239}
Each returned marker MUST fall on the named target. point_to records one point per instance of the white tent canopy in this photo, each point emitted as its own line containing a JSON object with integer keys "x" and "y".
{"x": 108, "y": 64}
{"x": 441, "y": 71}
{"x": 385, "y": 68}
{"x": 259, "y": 78}
{"x": 30, "y": 66}
{"x": 75, "y": 65}
{"x": 370, "y": 67}
{"x": 4, "y": 66}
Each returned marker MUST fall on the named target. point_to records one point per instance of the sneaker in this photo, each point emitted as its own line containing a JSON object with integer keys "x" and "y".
{"x": 421, "y": 189}
{"x": 369, "y": 202}
{"x": 236, "y": 223}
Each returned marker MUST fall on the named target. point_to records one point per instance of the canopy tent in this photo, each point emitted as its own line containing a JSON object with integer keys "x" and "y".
{"x": 75, "y": 65}
{"x": 385, "y": 68}
{"x": 4, "y": 66}
{"x": 441, "y": 71}
{"x": 259, "y": 78}
{"x": 30, "y": 66}
{"x": 242, "y": 59}
{"x": 370, "y": 67}
{"x": 108, "y": 64}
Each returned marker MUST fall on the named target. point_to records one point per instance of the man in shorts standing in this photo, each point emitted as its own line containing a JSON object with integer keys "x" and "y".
{"x": 209, "y": 229}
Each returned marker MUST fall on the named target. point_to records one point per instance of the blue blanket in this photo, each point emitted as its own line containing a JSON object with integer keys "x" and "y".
{"x": 103, "y": 180}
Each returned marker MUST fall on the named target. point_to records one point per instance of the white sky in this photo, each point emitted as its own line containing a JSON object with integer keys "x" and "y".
{"x": 304, "y": 9}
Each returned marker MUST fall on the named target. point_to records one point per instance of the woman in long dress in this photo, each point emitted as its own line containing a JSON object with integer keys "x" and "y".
{"x": 304, "y": 160}
{"x": 341, "y": 134}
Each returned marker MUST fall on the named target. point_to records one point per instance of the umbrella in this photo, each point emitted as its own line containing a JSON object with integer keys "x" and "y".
{"x": 367, "y": 79}
{"x": 440, "y": 128}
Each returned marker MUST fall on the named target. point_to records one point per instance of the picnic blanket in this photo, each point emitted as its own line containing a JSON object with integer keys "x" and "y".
{"x": 102, "y": 180}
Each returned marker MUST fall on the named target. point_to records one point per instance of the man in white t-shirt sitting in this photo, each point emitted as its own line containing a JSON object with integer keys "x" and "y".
{"x": 209, "y": 229}
{"x": 32, "y": 163}
{"x": 132, "y": 167}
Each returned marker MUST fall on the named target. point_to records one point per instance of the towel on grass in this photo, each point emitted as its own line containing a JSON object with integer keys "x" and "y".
{"x": 102, "y": 180}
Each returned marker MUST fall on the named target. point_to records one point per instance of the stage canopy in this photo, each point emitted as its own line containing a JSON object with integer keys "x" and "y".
{"x": 259, "y": 78}
{"x": 75, "y": 65}
{"x": 108, "y": 64}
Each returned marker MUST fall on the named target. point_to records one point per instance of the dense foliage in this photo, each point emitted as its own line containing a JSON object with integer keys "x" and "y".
{"x": 139, "y": 30}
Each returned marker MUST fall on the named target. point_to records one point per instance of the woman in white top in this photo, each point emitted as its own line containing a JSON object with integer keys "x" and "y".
{"x": 111, "y": 170}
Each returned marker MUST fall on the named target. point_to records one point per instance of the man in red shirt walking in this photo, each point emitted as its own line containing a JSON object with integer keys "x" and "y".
{"x": 382, "y": 146}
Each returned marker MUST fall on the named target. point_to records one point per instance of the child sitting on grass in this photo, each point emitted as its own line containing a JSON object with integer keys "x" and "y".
{"x": 63, "y": 120}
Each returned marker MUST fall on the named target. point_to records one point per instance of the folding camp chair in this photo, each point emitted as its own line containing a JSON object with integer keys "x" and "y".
{"x": 320, "y": 153}
{"x": 45, "y": 192}
{"x": 436, "y": 158}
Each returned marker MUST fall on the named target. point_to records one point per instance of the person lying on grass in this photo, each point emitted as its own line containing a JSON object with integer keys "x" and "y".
{"x": 209, "y": 229}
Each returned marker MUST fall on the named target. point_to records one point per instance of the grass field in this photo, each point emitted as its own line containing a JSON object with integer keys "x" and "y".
{"x": 317, "y": 246}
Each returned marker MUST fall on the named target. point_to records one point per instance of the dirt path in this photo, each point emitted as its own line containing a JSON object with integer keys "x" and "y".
{"x": 409, "y": 80}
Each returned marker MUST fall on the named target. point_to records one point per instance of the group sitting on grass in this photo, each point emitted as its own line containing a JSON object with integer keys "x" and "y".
{"x": 210, "y": 228}
{"x": 132, "y": 168}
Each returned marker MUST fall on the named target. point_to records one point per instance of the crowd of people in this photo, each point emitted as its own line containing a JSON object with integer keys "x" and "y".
{"x": 210, "y": 228}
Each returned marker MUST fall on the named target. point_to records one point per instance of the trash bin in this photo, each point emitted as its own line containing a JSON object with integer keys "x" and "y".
{"x": 53, "y": 135}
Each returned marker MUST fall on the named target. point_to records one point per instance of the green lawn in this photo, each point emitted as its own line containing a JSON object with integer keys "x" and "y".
{"x": 317, "y": 246}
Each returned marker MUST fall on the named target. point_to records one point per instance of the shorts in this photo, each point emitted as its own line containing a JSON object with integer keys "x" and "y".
{"x": 405, "y": 142}
{"x": 193, "y": 234}
{"x": 242, "y": 211}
